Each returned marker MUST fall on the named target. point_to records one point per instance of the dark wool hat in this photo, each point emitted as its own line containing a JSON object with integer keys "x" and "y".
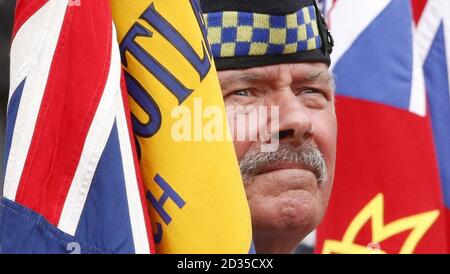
{"x": 252, "y": 33}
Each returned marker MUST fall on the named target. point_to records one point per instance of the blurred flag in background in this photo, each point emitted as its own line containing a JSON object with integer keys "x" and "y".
{"x": 194, "y": 189}
{"x": 392, "y": 186}
{"x": 71, "y": 183}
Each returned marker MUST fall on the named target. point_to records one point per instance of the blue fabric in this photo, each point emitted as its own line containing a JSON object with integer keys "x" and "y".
{"x": 261, "y": 35}
{"x": 437, "y": 82}
{"x": 105, "y": 221}
{"x": 291, "y": 36}
{"x": 244, "y": 20}
{"x": 243, "y": 48}
{"x": 24, "y": 231}
{"x": 265, "y": 34}
{"x": 13, "y": 108}
{"x": 229, "y": 35}
{"x": 361, "y": 68}
{"x": 277, "y": 22}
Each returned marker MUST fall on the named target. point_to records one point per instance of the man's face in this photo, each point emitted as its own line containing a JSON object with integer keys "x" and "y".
{"x": 287, "y": 189}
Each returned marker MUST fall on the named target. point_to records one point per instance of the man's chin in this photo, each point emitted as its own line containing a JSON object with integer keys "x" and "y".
{"x": 294, "y": 211}
{"x": 284, "y": 200}
{"x": 288, "y": 220}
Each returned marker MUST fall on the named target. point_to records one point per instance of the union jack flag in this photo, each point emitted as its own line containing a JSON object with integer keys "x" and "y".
{"x": 71, "y": 178}
{"x": 392, "y": 63}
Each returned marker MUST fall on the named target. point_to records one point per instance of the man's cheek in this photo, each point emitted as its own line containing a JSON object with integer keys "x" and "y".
{"x": 326, "y": 139}
{"x": 325, "y": 136}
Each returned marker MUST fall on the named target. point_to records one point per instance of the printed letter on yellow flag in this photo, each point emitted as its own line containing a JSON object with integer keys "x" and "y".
{"x": 193, "y": 185}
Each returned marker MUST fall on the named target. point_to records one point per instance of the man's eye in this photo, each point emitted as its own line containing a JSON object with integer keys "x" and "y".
{"x": 309, "y": 91}
{"x": 243, "y": 92}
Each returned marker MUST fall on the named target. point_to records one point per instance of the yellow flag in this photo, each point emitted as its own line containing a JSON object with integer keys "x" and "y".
{"x": 193, "y": 186}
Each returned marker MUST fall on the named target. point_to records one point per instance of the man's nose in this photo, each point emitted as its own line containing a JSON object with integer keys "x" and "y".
{"x": 294, "y": 123}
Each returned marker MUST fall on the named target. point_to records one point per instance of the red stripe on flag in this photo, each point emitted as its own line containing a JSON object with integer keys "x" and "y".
{"x": 24, "y": 10}
{"x": 76, "y": 81}
{"x": 136, "y": 166}
{"x": 418, "y": 7}
{"x": 447, "y": 211}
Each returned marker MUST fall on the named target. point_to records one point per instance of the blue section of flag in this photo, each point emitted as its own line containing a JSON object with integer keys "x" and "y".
{"x": 105, "y": 221}
{"x": 383, "y": 51}
{"x": 26, "y": 232}
{"x": 437, "y": 82}
{"x": 252, "y": 249}
{"x": 13, "y": 108}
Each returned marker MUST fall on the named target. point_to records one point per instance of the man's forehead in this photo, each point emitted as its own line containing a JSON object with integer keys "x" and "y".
{"x": 299, "y": 72}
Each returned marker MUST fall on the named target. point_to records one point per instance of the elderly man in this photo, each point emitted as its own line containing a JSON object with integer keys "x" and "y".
{"x": 276, "y": 54}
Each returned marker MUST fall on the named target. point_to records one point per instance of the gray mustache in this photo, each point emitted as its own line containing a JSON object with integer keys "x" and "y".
{"x": 308, "y": 156}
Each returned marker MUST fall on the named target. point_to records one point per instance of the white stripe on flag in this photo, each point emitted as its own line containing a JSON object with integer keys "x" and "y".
{"x": 138, "y": 227}
{"x": 435, "y": 13}
{"x": 94, "y": 145}
{"x": 31, "y": 56}
{"x": 417, "y": 101}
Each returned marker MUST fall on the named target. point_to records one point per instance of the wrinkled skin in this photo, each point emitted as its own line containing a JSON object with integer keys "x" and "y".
{"x": 286, "y": 201}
